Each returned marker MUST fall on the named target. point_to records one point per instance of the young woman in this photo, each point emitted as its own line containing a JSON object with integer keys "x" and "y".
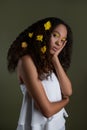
{"x": 41, "y": 56}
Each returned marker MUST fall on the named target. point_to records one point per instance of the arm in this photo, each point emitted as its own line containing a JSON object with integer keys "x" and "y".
{"x": 64, "y": 81}
{"x": 34, "y": 86}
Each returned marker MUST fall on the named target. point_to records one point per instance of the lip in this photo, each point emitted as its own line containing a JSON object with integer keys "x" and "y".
{"x": 54, "y": 49}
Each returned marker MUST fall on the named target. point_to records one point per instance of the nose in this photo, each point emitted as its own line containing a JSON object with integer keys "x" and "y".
{"x": 57, "y": 43}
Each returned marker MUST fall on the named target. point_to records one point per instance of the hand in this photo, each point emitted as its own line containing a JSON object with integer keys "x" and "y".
{"x": 55, "y": 56}
{"x": 58, "y": 51}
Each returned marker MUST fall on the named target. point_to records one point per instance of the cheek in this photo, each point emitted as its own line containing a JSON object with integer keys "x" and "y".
{"x": 52, "y": 41}
{"x": 51, "y": 44}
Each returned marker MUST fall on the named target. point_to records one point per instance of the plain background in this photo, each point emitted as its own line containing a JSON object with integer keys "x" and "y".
{"x": 15, "y": 16}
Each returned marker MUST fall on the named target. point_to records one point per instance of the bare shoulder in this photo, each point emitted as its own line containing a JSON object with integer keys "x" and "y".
{"x": 26, "y": 60}
{"x": 27, "y": 66}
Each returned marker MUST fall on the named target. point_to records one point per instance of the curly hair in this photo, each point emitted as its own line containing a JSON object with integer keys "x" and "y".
{"x": 42, "y": 61}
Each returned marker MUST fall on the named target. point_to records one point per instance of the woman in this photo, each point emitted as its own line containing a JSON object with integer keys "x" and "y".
{"x": 41, "y": 56}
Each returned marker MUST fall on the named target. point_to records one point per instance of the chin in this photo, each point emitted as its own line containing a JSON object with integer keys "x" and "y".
{"x": 52, "y": 52}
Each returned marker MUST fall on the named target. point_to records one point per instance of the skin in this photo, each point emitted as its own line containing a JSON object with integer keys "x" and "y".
{"x": 27, "y": 74}
{"x": 59, "y": 35}
{"x": 58, "y": 39}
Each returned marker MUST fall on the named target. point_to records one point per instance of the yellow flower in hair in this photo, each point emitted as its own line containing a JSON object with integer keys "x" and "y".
{"x": 43, "y": 49}
{"x": 24, "y": 44}
{"x": 47, "y": 25}
{"x": 39, "y": 38}
{"x": 30, "y": 34}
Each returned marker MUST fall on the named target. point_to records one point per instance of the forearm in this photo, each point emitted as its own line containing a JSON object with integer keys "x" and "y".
{"x": 64, "y": 81}
{"x": 57, "y": 106}
{"x": 53, "y": 108}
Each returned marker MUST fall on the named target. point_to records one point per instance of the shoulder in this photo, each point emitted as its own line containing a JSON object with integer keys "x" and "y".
{"x": 26, "y": 61}
{"x": 27, "y": 66}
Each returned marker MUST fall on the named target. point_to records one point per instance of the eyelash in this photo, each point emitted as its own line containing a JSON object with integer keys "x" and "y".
{"x": 55, "y": 35}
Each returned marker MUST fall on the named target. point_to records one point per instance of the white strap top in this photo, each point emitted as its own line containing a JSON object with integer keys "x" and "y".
{"x": 29, "y": 115}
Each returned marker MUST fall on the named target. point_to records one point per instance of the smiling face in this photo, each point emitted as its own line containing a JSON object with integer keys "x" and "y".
{"x": 58, "y": 38}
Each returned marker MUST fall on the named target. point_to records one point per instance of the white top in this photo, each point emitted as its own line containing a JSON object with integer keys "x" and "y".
{"x": 31, "y": 117}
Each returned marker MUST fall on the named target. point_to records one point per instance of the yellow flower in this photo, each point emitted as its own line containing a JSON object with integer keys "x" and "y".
{"x": 39, "y": 38}
{"x": 43, "y": 49}
{"x": 47, "y": 25}
{"x": 30, "y": 35}
{"x": 24, "y": 45}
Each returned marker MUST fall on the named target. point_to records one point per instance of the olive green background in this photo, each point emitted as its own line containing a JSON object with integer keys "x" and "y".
{"x": 15, "y": 16}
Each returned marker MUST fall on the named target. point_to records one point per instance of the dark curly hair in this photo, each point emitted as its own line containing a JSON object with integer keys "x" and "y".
{"x": 42, "y": 61}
